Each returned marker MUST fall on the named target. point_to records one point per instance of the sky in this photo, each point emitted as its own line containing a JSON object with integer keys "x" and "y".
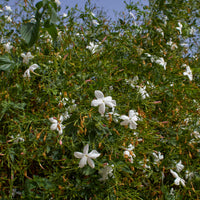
{"x": 109, "y": 6}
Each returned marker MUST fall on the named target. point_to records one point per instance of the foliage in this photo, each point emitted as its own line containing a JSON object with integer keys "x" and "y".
{"x": 137, "y": 68}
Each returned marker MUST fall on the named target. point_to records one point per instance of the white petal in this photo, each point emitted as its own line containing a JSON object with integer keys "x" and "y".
{"x": 175, "y": 175}
{"x": 124, "y": 123}
{"x": 124, "y": 117}
{"x": 126, "y": 153}
{"x": 91, "y": 162}
{"x": 96, "y": 102}
{"x": 83, "y": 162}
{"x": 52, "y": 120}
{"x": 94, "y": 154}
{"x": 132, "y": 113}
{"x": 98, "y": 94}
{"x": 177, "y": 181}
{"x": 102, "y": 109}
{"x": 132, "y": 125}
{"x": 53, "y": 127}
{"x": 85, "y": 149}
{"x": 78, "y": 154}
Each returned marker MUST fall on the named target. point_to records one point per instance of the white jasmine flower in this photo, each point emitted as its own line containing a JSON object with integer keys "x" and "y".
{"x": 106, "y": 172}
{"x": 196, "y": 134}
{"x": 189, "y": 175}
{"x": 92, "y": 47}
{"x": 173, "y": 45}
{"x": 26, "y": 57}
{"x": 8, "y": 8}
{"x": 160, "y": 31}
{"x": 64, "y": 15}
{"x": 177, "y": 180}
{"x": 161, "y": 62}
{"x": 179, "y": 166}
{"x": 165, "y": 20}
{"x": 143, "y": 92}
{"x": 133, "y": 82}
{"x": 144, "y": 164}
{"x": 95, "y": 22}
{"x": 132, "y": 15}
{"x": 17, "y": 139}
{"x": 188, "y": 73}
{"x": 157, "y": 157}
{"x": 57, "y": 124}
{"x": 87, "y": 157}
{"x": 7, "y": 47}
{"x": 1, "y": 10}
{"x": 8, "y": 18}
{"x": 114, "y": 114}
{"x": 179, "y": 28}
{"x": 30, "y": 69}
{"x": 128, "y": 153}
{"x": 131, "y": 119}
{"x": 57, "y": 2}
{"x": 192, "y": 31}
{"x": 102, "y": 101}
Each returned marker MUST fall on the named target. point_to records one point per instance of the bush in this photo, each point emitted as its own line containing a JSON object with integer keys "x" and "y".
{"x": 96, "y": 109}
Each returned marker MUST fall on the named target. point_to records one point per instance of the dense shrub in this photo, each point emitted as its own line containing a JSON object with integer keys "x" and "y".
{"x": 96, "y": 109}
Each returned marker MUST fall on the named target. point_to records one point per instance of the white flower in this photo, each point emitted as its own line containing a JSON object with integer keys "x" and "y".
{"x": 102, "y": 101}
{"x": 64, "y": 15}
{"x": 165, "y": 20}
{"x": 143, "y": 92}
{"x": 106, "y": 172}
{"x": 87, "y": 157}
{"x": 115, "y": 116}
{"x": 26, "y": 57}
{"x": 189, "y": 175}
{"x": 92, "y": 47}
{"x": 192, "y": 31}
{"x": 177, "y": 180}
{"x": 57, "y": 2}
{"x": 161, "y": 62}
{"x": 8, "y": 8}
{"x": 132, "y": 15}
{"x": 160, "y": 31}
{"x": 8, "y": 18}
{"x": 7, "y": 47}
{"x": 30, "y": 69}
{"x": 1, "y": 10}
{"x": 128, "y": 153}
{"x": 17, "y": 139}
{"x": 131, "y": 119}
{"x": 179, "y": 28}
{"x": 95, "y": 22}
{"x": 57, "y": 124}
{"x": 196, "y": 135}
{"x": 179, "y": 166}
{"x": 157, "y": 157}
{"x": 133, "y": 82}
{"x": 188, "y": 73}
{"x": 173, "y": 45}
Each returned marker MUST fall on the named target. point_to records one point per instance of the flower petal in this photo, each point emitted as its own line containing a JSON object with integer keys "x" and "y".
{"x": 102, "y": 109}
{"x": 83, "y": 161}
{"x": 124, "y": 117}
{"x": 53, "y": 127}
{"x": 93, "y": 154}
{"x": 91, "y": 162}
{"x": 124, "y": 123}
{"x": 175, "y": 175}
{"x": 52, "y": 120}
{"x": 85, "y": 149}
{"x": 78, "y": 154}
{"x": 96, "y": 102}
{"x": 98, "y": 94}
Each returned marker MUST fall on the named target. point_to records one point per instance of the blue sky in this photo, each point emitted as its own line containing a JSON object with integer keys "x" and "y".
{"x": 108, "y": 5}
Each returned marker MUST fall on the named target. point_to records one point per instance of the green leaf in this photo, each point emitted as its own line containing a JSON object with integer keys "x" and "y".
{"x": 54, "y": 17}
{"x": 52, "y": 31}
{"x": 5, "y": 63}
{"x": 30, "y": 32}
